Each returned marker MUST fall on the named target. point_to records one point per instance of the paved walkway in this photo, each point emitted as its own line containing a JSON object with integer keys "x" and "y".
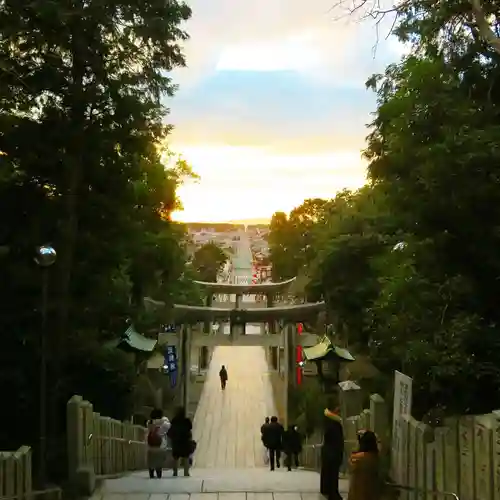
{"x": 229, "y": 461}
{"x": 217, "y": 484}
{"x": 227, "y": 423}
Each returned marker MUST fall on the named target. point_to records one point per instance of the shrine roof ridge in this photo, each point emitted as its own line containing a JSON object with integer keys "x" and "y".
{"x": 297, "y": 312}
{"x": 232, "y": 288}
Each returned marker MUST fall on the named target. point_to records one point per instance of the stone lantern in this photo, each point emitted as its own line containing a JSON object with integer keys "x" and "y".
{"x": 327, "y": 358}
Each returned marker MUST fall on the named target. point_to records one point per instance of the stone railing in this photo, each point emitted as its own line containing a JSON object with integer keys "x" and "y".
{"x": 100, "y": 446}
{"x": 374, "y": 418}
{"x": 311, "y": 456}
{"x": 16, "y": 477}
{"x": 459, "y": 459}
{"x": 15, "y": 473}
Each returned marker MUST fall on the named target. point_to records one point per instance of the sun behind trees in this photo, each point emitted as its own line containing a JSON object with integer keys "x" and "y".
{"x": 82, "y": 136}
{"x": 429, "y": 306}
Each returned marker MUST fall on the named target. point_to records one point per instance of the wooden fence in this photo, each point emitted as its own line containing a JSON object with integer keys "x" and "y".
{"x": 101, "y": 446}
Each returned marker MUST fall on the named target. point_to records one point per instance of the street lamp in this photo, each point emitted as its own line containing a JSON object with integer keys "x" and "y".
{"x": 398, "y": 247}
{"x": 45, "y": 257}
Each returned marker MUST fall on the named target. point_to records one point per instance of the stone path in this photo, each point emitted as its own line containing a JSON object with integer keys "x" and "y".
{"x": 229, "y": 461}
{"x": 217, "y": 484}
{"x": 227, "y": 423}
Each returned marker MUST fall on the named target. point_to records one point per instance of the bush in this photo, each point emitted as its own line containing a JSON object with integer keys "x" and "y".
{"x": 306, "y": 405}
{"x": 104, "y": 376}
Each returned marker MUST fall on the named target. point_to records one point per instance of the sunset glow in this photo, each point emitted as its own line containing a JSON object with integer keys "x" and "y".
{"x": 272, "y": 111}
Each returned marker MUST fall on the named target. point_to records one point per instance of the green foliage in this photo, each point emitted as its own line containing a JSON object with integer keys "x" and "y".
{"x": 96, "y": 373}
{"x": 208, "y": 261}
{"x": 428, "y": 306}
{"x": 306, "y": 405}
{"x": 84, "y": 166}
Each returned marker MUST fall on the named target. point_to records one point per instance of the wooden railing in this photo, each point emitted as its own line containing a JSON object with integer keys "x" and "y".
{"x": 15, "y": 474}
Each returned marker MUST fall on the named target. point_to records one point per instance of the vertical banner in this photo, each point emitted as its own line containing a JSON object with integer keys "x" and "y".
{"x": 171, "y": 365}
{"x": 298, "y": 358}
{"x": 402, "y": 407}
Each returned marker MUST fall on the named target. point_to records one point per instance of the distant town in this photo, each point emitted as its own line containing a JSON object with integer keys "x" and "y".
{"x": 227, "y": 234}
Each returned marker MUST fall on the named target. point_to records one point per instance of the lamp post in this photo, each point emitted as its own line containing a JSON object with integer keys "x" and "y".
{"x": 45, "y": 257}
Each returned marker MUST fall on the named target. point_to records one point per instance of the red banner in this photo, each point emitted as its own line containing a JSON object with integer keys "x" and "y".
{"x": 300, "y": 329}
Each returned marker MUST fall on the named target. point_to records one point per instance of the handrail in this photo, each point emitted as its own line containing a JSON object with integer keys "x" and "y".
{"x": 427, "y": 492}
{"x": 29, "y": 494}
{"x": 400, "y": 486}
{"x": 113, "y": 438}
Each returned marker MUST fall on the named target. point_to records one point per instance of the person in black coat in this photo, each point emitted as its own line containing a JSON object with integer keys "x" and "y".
{"x": 223, "y": 377}
{"x": 274, "y": 438}
{"x": 180, "y": 435}
{"x": 292, "y": 446}
{"x": 332, "y": 455}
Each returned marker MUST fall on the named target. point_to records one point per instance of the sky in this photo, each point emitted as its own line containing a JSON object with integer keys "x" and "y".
{"x": 272, "y": 106}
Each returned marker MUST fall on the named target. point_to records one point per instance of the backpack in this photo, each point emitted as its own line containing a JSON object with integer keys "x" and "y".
{"x": 155, "y": 439}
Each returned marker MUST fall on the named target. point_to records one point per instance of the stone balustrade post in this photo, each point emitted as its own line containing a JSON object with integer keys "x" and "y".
{"x": 379, "y": 419}
{"x": 80, "y": 466}
{"x": 351, "y": 402}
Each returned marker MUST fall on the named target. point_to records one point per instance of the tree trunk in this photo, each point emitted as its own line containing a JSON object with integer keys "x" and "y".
{"x": 69, "y": 223}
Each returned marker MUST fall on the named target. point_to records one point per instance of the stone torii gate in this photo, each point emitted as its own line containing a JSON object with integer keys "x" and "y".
{"x": 237, "y": 317}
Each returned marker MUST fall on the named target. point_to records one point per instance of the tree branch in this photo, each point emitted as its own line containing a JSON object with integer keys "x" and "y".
{"x": 484, "y": 27}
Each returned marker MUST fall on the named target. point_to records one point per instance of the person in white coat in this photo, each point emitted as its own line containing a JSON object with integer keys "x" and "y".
{"x": 158, "y": 427}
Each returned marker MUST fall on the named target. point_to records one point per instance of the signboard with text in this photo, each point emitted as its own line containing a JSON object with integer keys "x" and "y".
{"x": 402, "y": 407}
{"x": 170, "y": 364}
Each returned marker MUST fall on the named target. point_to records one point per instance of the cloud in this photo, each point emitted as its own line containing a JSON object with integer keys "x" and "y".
{"x": 264, "y": 35}
{"x": 275, "y": 110}
{"x": 272, "y": 107}
{"x": 242, "y": 182}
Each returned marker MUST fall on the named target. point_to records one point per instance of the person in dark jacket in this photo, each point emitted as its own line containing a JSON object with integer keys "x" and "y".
{"x": 274, "y": 438}
{"x": 332, "y": 454}
{"x": 223, "y": 377}
{"x": 263, "y": 437}
{"x": 180, "y": 434}
{"x": 292, "y": 446}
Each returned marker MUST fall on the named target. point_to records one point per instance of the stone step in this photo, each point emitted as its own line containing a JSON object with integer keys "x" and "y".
{"x": 215, "y": 496}
{"x": 217, "y": 484}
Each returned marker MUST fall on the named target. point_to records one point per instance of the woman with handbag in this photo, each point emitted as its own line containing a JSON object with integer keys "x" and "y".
{"x": 158, "y": 427}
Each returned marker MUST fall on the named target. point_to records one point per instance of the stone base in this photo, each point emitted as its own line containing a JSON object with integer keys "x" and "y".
{"x": 84, "y": 481}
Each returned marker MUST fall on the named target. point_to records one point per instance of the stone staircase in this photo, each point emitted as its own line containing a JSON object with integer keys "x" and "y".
{"x": 217, "y": 484}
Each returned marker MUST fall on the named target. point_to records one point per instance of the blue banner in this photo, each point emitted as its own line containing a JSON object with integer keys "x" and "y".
{"x": 173, "y": 379}
{"x": 170, "y": 364}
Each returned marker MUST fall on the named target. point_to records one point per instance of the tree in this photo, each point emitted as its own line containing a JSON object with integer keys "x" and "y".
{"x": 303, "y": 220}
{"x": 398, "y": 261}
{"x": 437, "y": 119}
{"x": 290, "y": 238}
{"x": 82, "y": 137}
{"x": 208, "y": 261}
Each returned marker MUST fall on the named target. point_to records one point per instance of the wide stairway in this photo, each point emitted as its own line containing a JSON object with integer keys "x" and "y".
{"x": 229, "y": 460}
